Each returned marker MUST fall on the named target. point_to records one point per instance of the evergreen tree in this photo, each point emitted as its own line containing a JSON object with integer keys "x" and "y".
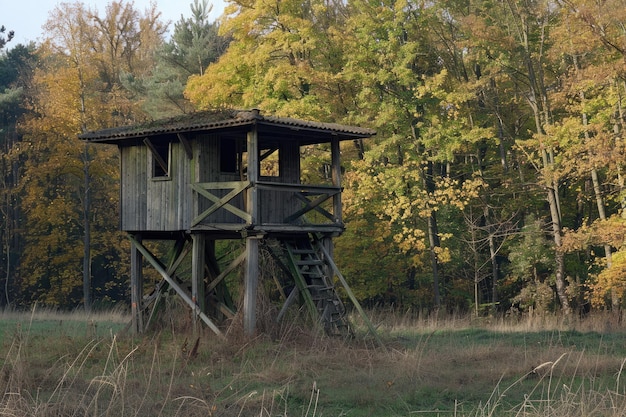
{"x": 16, "y": 69}
{"x": 195, "y": 44}
{"x": 5, "y": 36}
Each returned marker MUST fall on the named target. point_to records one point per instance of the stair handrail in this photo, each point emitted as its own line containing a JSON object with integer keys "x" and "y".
{"x": 329, "y": 260}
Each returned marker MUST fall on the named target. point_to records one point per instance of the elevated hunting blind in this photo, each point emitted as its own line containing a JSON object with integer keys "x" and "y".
{"x": 208, "y": 177}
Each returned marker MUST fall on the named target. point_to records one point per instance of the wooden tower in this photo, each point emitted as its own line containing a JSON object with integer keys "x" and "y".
{"x": 198, "y": 179}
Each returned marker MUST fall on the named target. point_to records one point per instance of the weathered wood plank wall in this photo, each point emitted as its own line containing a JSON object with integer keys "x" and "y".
{"x": 168, "y": 203}
{"x": 155, "y": 204}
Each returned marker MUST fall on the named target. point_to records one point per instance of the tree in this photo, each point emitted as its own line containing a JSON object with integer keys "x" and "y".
{"x": 194, "y": 45}
{"x": 4, "y": 40}
{"x": 77, "y": 88}
{"x": 284, "y": 58}
{"x": 16, "y": 68}
{"x": 531, "y": 257}
{"x": 518, "y": 54}
{"x": 496, "y": 109}
{"x": 592, "y": 96}
{"x": 407, "y": 80}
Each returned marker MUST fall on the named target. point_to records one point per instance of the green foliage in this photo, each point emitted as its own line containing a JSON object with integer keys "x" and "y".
{"x": 283, "y": 59}
{"x": 69, "y": 189}
{"x": 461, "y": 104}
{"x": 4, "y": 39}
{"x": 483, "y": 115}
{"x": 194, "y": 45}
{"x": 530, "y": 258}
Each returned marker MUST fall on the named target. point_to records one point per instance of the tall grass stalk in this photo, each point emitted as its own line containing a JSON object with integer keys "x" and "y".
{"x": 456, "y": 366}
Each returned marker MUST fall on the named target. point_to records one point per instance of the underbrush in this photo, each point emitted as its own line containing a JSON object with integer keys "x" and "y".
{"x": 432, "y": 366}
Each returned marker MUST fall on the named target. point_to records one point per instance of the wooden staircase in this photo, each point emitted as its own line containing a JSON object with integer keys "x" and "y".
{"x": 312, "y": 273}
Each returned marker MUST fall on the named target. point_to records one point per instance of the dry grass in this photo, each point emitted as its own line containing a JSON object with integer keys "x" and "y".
{"x": 457, "y": 366}
{"x": 119, "y": 316}
{"x": 393, "y": 321}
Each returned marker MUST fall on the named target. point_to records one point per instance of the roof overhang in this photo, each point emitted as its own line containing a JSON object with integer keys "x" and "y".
{"x": 233, "y": 121}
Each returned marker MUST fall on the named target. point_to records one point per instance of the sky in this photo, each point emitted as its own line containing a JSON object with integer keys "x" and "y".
{"x": 26, "y": 17}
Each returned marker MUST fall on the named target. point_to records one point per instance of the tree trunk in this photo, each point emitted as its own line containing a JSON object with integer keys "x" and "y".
{"x": 617, "y": 129}
{"x": 87, "y": 232}
{"x": 433, "y": 234}
{"x": 541, "y": 116}
{"x": 433, "y": 240}
{"x": 495, "y": 270}
{"x": 597, "y": 191}
{"x": 559, "y": 256}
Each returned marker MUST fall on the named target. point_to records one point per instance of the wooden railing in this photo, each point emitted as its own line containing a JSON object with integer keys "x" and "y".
{"x": 279, "y": 203}
{"x": 310, "y": 198}
{"x": 207, "y": 190}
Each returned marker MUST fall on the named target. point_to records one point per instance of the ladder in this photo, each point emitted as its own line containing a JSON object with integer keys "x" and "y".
{"x": 313, "y": 277}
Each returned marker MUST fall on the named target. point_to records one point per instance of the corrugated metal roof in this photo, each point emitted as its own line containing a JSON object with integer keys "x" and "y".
{"x": 219, "y": 119}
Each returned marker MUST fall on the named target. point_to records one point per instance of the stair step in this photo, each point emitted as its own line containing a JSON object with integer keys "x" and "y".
{"x": 310, "y": 267}
{"x": 310, "y": 262}
{"x": 320, "y": 297}
{"x": 313, "y": 274}
{"x": 302, "y": 251}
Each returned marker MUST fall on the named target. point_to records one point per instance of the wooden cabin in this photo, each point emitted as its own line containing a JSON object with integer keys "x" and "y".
{"x": 208, "y": 176}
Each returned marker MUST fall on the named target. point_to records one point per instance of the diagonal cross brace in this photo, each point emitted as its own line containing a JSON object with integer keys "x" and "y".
{"x": 222, "y": 202}
{"x": 161, "y": 270}
{"x": 311, "y": 205}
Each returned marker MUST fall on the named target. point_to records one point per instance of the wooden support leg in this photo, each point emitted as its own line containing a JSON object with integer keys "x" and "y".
{"x": 327, "y": 243}
{"x": 197, "y": 272}
{"x": 172, "y": 282}
{"x": 136, "y": 287}
{"x": 251, "y": 284}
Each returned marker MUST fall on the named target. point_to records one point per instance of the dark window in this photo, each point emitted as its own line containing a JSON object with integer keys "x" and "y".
{"x": 160, "y": 158}
{"x": 229, "y": 156}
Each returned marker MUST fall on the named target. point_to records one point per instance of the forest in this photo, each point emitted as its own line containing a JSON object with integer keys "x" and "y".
{"x": 494, "y": 184}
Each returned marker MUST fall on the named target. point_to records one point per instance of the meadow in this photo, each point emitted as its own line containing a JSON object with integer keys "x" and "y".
{"x": 72, "y": 364}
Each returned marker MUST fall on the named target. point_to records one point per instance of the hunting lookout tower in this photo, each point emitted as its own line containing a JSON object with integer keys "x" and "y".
{"x": 200, "y": 180}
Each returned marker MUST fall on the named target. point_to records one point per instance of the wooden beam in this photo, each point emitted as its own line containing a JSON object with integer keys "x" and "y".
{"x": 136, "y": 286}
{"x": 155, "y": 154}
{"x": 351, "y": 295}
{"x": 311, "y": 205}
{"x": 197, "y": 271}
{"x": 186, "y": 145}
{"x": 222, "y": 202}
{"x": 336, "y": 177}
{"x": 253, "y": 174}
{"x": 234, "y": 264}
{"x": 186, "y": 298}
{"x": 251, "y": 284}
{"x": 268, "y": 153}
{"x": 176, "y": 256}
{"x": 302, "y": 188}
{"x": 293, "y": 296}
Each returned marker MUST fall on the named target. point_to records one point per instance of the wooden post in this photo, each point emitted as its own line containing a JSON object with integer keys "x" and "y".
{"x": 253, "y": 174}
{"x": 251, "y": 285}
{"x": 175, "y": 285}
{"x": 336, "y": 175}
{"x": 329, "y": 248}
{"x": 197, "y": 272}
{"x": 252, "y": 241}
{"x": 136, "y": 286}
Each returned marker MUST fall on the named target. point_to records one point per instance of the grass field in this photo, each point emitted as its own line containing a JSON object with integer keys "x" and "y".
{"x": 76, "y": 365}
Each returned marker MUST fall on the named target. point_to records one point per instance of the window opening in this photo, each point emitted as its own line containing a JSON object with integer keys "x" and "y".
{"x": 229, "y": 157}
{"x": 160, "y": 158}
{"x": 269, "y": 163}
{"x": 233, "y": 157}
